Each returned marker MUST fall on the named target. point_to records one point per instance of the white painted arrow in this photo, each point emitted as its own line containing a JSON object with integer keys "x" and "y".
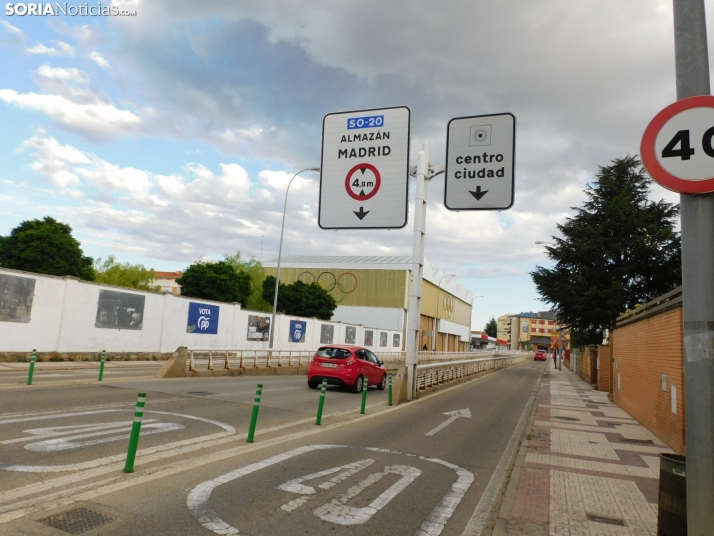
{"x": 454, "y": 415}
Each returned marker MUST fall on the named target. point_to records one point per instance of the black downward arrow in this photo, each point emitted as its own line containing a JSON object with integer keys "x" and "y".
{"x": 478, "y": 194}
{"x": 361, "y": 214}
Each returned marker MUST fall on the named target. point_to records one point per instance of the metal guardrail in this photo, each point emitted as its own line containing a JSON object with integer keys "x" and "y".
{"x": 429, "y": 375}
{"x": 211, "y": 358}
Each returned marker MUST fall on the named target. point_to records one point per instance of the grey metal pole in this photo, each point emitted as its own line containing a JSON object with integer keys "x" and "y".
{"x": 414, "y": 318}
{"x": 280, "y": 252}
{"x": 697, "y": 213}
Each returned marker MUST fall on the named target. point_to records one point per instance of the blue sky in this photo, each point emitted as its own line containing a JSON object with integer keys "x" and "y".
{"x": 170, "y": 135}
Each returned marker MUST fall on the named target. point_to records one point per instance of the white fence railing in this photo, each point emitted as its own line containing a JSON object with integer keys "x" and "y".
{"x": 211, "y": 358}
{"x": 431, "y": 374}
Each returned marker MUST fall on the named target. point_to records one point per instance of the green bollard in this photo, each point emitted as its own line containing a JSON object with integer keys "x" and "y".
{"x": 321, "y": 403}
{"x": 389, "y": 387}
{"x": 254, "y": 416}
{"x": 364, "y": 396}
{"x": 101, "y": 365}
{"x": 135, "y": 429}
{"x": 32, "y": 366}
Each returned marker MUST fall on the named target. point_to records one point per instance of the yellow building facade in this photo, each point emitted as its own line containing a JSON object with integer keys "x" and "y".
{"x": 374, "y": 292}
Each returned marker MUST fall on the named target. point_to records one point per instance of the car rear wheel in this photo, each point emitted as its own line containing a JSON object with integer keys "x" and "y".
{"x": 312, "y": 385}
{"x": 382, "y": 384}
{"x": 359, "y": 383}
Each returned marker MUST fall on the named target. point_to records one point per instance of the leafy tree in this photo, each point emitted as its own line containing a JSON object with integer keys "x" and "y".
{"x": 300, "y": 299}
{"x": 217, "y": 281}
{"x": 45, "y": 246}
{"x": 491, "y": 328}
{"x": 620, "y": 249}
{"x": 256, "y": 272}
{"x": 111, "y": 272}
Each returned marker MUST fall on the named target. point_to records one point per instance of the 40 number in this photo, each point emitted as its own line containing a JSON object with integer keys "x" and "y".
{"x": 680, "y": 145}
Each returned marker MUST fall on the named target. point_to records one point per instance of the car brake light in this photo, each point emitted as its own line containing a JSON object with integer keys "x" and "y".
{"x": 350, "y": 361}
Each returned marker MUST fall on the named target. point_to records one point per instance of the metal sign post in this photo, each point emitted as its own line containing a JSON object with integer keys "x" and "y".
{"x": 415, "y": 289}
{"x": 692, "y": 68}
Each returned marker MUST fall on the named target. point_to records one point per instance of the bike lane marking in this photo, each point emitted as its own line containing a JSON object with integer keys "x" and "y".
{"x": 228, "y": 430}
{"x": 335, "y": 511}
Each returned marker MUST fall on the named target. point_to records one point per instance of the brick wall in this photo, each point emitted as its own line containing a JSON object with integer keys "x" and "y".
{"x": 642, "y": 352}
{"x": 604, "y": 373}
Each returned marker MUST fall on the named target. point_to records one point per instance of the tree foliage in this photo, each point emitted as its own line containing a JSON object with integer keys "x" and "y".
{"x": 217, "y": 281}
{"x": 300, "y": 299}
{"x": 45, "y": 246}
{"x": 254, "y": 269}
{"x": 111, "y": 272}
{"x": 620, "y": 249}
{"x": 491, "y": 328}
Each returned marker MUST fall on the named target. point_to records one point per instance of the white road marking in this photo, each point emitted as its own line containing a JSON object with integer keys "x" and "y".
{"x": 109, "y": 459}
{"x": 66, "y": 443}
{"x": 454, "y": 415}
{"x": 296, "y": 485}
{"x": 336, "y": 511}
{"x": 198, "y": 499}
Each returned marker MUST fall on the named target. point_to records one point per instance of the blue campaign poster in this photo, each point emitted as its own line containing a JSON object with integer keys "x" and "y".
{"x": 202, "y": 318}
{"x": 297, "y": 330}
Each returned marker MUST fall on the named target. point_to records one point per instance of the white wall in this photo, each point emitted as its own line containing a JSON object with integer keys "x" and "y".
{"x": 64, "y": 313}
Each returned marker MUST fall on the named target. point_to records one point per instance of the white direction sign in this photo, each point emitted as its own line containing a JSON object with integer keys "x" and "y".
{"x": 480, "y": 162}
{"x": 365, "y": 169}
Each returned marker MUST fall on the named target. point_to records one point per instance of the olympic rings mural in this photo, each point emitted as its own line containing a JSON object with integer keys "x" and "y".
{"x": 346, "y": 283}
{"x": 449, "y": 306}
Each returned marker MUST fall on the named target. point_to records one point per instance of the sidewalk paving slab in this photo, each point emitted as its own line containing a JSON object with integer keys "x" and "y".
{"x": 585, "y": 467}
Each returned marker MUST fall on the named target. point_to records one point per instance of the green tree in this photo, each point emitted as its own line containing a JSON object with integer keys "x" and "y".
{"x": 491, "y": 328}
{"x": 256, "y": 272}
{"x": 619, "y": 250}
{"x": 300, "y": 299}
{"x": 217, "y": 281}
{"x": 111, "y": 272}
{"x": 45, "y": 246}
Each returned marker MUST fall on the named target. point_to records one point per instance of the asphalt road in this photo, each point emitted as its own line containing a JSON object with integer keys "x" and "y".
{"x": 393, "y": 471}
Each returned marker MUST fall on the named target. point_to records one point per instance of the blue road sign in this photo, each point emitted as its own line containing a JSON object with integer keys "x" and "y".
{"x": 298, "y": 328}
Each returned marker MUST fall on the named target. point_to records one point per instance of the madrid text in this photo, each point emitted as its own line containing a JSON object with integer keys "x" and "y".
{"x": 362, "y": 152}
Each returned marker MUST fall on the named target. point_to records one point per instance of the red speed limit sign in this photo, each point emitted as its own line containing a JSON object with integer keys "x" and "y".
{"x": 678, "y": 146}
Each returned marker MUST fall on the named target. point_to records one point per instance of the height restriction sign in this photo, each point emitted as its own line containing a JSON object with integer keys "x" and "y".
{"x": 365, "y": 169}
{"x": 678, "y": 146}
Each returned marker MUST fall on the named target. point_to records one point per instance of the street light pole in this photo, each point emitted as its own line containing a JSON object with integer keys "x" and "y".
{"x": 436, "y": 316}
{"x": 280, "y": 252}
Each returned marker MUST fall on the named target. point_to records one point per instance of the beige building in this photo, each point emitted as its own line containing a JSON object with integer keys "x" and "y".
{"x": 374, "y": 292}
{"x": 532, "y": 331}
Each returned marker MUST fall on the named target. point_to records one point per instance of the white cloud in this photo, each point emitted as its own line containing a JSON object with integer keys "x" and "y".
{"x": 60, "y": 49}
{"x": 97, "y": 58}
{"x": 9, "y": 28}
{"x": 98, "y": 119}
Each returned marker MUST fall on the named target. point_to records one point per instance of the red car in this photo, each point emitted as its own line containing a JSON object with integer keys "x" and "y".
{"x": 349, "y": 366}
{"x": 540, "y": 356}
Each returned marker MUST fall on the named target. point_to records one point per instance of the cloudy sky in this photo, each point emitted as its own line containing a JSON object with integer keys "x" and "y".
{"x": 171, "y": 134}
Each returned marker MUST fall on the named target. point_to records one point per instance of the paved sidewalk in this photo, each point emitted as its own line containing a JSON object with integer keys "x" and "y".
{"x": 585, "y": 468}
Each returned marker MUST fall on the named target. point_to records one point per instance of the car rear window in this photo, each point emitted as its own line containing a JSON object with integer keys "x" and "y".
{"x": 333, "y": 353}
